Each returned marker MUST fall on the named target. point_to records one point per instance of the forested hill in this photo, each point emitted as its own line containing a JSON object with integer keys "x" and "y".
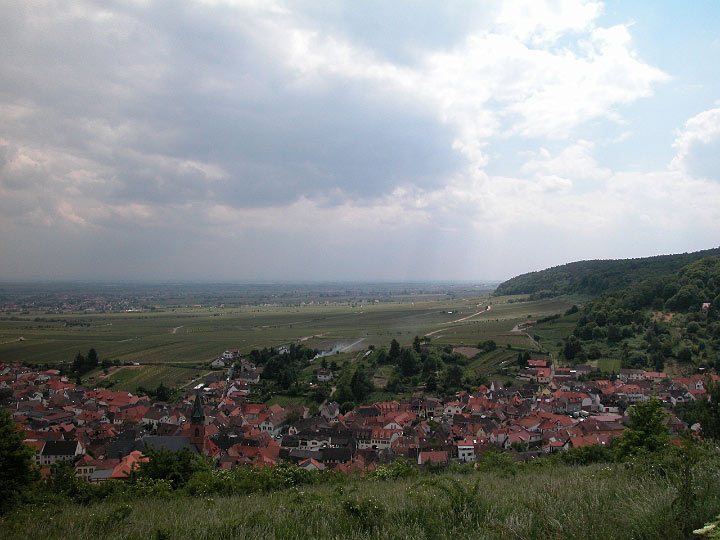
{"x": 595, "y": 277}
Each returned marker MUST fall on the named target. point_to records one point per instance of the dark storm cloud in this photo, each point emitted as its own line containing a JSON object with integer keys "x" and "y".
{"x": 138, "y": 89}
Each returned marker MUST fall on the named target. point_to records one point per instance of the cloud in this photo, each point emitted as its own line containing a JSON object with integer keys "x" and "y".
{"x": 351, "y": 140}
{"x": 698, "y": 146}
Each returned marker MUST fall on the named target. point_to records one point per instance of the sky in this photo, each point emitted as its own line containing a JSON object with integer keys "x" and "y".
{"x": 236, "y": 140}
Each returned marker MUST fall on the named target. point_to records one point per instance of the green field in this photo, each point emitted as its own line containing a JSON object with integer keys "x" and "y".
{"x": 162, "y": 341}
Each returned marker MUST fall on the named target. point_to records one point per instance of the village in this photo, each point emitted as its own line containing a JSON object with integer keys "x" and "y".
{"x": 105, "y": 434}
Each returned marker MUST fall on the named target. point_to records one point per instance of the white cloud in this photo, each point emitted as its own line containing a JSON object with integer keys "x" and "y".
{"x": 698, "y": 146}
{"x": 576, "y": 161}
{"x": 248, "y": 133}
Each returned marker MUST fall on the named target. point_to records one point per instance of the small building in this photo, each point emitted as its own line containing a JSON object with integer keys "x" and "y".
{"x": 60, "y": 451}
{"x": 324, "y": 375}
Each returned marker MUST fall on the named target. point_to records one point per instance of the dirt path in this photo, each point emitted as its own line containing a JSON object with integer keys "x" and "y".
{"x": 310, "y": 337}
{"x": 352, "y": 345}
{"x": 524, "y": 331}
{"x": 112, "y": 370}
{"x": 468, "y": 317}
{"x": 195, "y": 380}
{"x": 456, "y": 321}
{"x": 13, "y": 341}
{"x": 435, "y": 332}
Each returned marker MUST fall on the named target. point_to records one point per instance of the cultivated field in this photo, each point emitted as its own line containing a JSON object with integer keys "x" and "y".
{"x": 175, "y": 345}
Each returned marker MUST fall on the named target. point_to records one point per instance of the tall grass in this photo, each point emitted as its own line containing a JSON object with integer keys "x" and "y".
{"x": 602, "y": 502}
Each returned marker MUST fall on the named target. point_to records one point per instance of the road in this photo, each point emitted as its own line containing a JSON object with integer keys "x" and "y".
{"x": 195, "y": 380}
{"x": 352, "y": 345}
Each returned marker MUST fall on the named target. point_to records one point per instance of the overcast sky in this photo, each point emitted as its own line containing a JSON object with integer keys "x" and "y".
{"x": 309, "y": 140}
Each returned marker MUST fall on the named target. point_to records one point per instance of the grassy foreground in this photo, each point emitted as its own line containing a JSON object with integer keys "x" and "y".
{"x": 558, "y": 502}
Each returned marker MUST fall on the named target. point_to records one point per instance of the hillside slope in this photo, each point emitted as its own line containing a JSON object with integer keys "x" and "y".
{"x": 596, "y": 276}
{"x": 593, "y": 502}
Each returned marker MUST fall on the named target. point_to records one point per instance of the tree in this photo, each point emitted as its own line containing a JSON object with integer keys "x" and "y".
{"x": 78, "y": 365}
{"x": 572, "y": 348}
{"x": 646, "y": 433}
{"x": 416, "y": 344}
{"x": 177, "y": 467}
{"x": 360, "y": 384}
{"x": 162, "y": 393}
{"x": 614, "y": 335}
{"x": 91, "y": 361}
{"x": 709, "y": 411}
{"x": 16, "y": 462}
{"x": 408, "y": 363}
{"x": 453, "y": 377}
{"x": 487, "y": 346}
{"x": 394, "y": 350}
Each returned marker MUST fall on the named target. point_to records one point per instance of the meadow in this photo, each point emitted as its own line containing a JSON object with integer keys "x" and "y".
{"x": 599, "y": 502}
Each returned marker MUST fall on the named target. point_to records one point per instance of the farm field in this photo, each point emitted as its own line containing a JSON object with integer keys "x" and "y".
{"x": 163, "y": 341}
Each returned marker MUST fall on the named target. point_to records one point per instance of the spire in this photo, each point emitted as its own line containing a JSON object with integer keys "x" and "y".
{"x": 198, "y": 413}
{"x": 197, "y": 424}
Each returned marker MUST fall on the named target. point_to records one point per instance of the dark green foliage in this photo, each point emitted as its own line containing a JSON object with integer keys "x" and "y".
{"x": 572, "y": 348}
{"x": 585, "y": 455}
{"x": 360, "y": 384}
{"x": 400, "y": 468}
{"x": 707, "y": 411}
{"x": 687, "y": 335}
{"x": 394, "y": 352}
{"x": 594, "y": 277}
{"x": 83, "y": 364}
{"x": 161, "y": 393}
{"x": 283, "y": 369}
{"x": 408, "y": 362}
{"x": 177, "y": 467}
{"x": 487, "y": 346}
{"x": 92, "y": 359}
{"x": 347, "y": 406}
{"x": 17, "y": 472}
{"x": 453, "y": 378}
{"x": 646, "y": 434}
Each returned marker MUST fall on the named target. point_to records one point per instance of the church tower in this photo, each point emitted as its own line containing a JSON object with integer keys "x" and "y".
{"x": 197, "y": 424}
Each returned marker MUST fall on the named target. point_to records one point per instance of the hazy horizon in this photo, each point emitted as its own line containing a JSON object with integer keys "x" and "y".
{"x": 246, "y": 141}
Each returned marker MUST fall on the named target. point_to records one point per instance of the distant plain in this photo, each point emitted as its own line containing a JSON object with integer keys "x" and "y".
{"x": 175, "y": 345}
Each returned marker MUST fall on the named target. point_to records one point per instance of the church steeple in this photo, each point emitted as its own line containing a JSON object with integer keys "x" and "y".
{"x": 198, "y": 412}
{"x": 197, "y": 423}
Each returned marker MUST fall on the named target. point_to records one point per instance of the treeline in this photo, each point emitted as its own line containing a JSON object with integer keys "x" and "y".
{"x": 597, "y": 276}
{"x": 82, "y": 364}
{"x": 160, "y": 393}
{"x": 437, "y": 369}
{"x": 673, "y": 316}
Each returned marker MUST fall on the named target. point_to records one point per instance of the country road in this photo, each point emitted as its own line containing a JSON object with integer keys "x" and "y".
{"x": 195, "y": 380}
{"x": 352, "y": 345}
